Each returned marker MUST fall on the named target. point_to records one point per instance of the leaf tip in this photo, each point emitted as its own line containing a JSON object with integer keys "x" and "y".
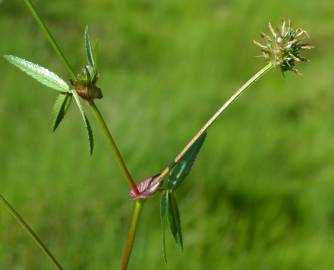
{"x": 8, "y": 57}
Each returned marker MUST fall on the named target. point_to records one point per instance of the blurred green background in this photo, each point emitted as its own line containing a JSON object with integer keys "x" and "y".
{"x": 261, "y": 194}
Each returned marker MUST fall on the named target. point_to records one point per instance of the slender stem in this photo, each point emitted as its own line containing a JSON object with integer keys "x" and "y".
{"x": 114, "y": 147}
{"x": 30, "y": 231}
{"x": 50, "y": 38}
{"x": 99, "y": 117}
{"x": 211, "y": 121}
{"x": 132, "y": 233}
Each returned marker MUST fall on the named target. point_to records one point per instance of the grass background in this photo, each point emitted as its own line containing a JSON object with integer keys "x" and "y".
{"x": 261, "y": 195}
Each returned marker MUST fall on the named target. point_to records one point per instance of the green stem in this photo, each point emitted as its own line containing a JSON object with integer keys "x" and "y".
{"x": 30, "y": 231}
{"x": 98, "y": 115}
{"x": 114, "y": 147}
{"x": 50, "y": 38}
{"x": 213, "y": 118}
{"x": 132, "y": 233}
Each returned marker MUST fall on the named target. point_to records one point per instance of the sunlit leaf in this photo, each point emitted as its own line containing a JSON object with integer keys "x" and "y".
{"x": 174, "y": 219}
{"x": 164, "y": 218}
{"x": 59, "y": 109}
{"x": 89, "y": 49}
{"x": 183, "y": 167}
{"x": 86, "y": 122}
{"x": 41, "y": 74}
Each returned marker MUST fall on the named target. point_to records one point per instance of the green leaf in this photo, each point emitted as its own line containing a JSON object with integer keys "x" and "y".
{"x": 41, "y": 74}
{"x": 164, "y": 217}
{"x": 174, "y": 219}
{"x": 60, "y": 108}
{"x": 86, "y": 122}
{"x": 88, "y": 73}
{"x": 96, "y": 51}
{"x": 183, "y": 167}
{"x": 89, "y": 49}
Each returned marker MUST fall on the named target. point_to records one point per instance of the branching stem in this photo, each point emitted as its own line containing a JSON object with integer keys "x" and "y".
{"x": 138, "y": 204}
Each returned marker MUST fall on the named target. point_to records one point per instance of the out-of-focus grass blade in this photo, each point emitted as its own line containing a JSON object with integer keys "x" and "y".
{"x": 86, "y": 122}
{"x": 164, "y": 219}
{"x": 41, "y": 74}
{"x": 174, "y": 219}
{"x": 60, "y": 107}
{"x": 89, "y": 49}
{"x": 183, "y": 167}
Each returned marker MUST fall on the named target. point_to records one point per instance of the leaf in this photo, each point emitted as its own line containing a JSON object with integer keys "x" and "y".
{"x": 170, "y": 211}
{"x": 164, "y": 216}
{"x": 59, "y": 109}
{"x": 96, "y": 51}
{"x": 89, "y": 49}
{"x": 41, "y": 74}
{"x": 86, "y": 122}
{"x": 183, "y": 167}
{"x": 88, "y": 73}
{"x": 174, "y": 219}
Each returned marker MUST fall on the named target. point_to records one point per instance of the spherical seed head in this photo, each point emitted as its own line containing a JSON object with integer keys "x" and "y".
{"x": 283, "y": 48}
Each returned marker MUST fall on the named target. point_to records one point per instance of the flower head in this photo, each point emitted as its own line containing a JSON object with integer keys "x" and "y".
{"x": 283, "y": 48}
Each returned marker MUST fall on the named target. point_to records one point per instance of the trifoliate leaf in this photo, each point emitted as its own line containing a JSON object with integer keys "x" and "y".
{"x": 86, "y": 122}
{"x": 183, "y": 167}
{"x": 89, "y": 49}
{"x": 164, "y": 218}
{"x": 41, "y": 74}
{"x": 174, "y": 219}
{"x": 59, "y": 109}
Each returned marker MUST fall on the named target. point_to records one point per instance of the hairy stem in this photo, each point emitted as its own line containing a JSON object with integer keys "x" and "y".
{"x": 31, "y": 232}
{"x": 212, "y": 120}
{"x": 132, "y": 233}
{"x": 114, "y": 147}
{"x": 50, "y": 38}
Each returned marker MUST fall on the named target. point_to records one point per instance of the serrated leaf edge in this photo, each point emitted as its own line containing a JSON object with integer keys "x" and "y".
{"x": 39, "y": 73}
